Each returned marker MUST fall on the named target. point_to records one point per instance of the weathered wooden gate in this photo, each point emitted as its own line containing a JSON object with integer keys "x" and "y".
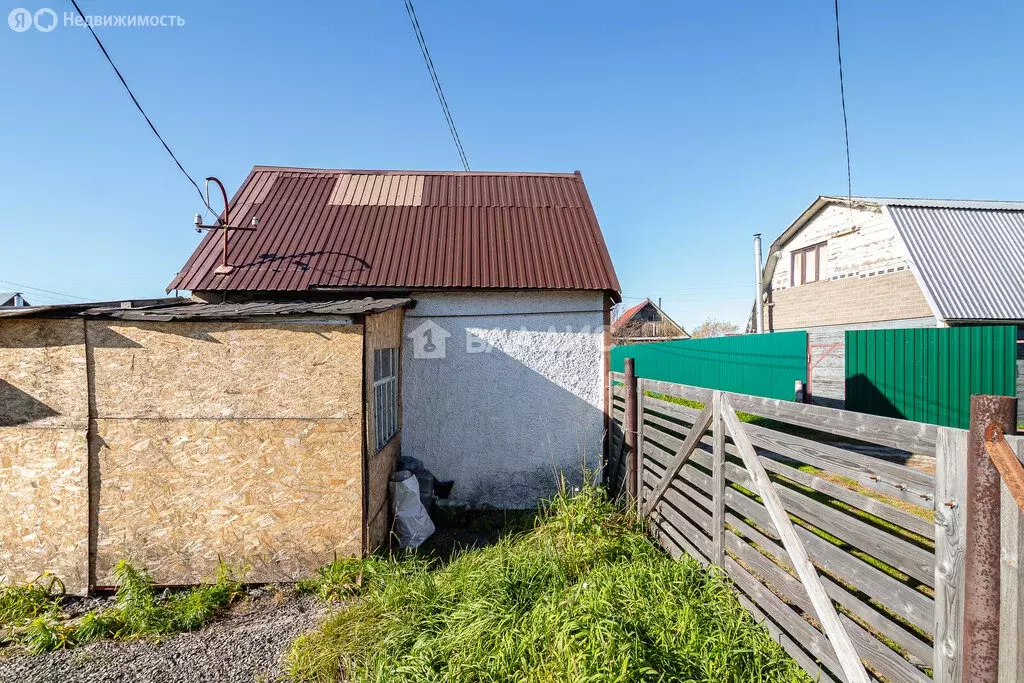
{"x": 843, "y": 533}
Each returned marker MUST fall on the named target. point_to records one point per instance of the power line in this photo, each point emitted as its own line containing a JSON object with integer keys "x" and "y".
{"x": 43, "y": 291}
{"x": 141, "y": 110}
{"x": 842, "y": 94}
{"x": 411, "y": 11}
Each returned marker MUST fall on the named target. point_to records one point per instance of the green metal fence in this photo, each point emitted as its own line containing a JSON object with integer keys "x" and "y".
{"x": 928, "y": 375}
{"x": 760, "y": 364}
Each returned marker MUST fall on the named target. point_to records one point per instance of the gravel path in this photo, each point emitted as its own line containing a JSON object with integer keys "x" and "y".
{"x": 244, "y": 646}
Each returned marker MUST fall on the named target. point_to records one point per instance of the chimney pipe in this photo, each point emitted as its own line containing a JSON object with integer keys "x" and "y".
{"x": 758, "y": 306}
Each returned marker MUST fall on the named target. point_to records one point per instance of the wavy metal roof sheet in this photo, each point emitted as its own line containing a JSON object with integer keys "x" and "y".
{"x": 971, "y": 260}
{"x": 406, "y": 229}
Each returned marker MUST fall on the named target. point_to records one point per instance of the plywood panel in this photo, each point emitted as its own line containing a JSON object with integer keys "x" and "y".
{"x": 44, "y": 518}
{"x": 379, "y": 472}
{"x": 282, "y": 495}
{"x": 383, "y": 330}
{"x": 43, "y": 373}
{"x": 207, "y": 370}
{"x": 378, "y": 529}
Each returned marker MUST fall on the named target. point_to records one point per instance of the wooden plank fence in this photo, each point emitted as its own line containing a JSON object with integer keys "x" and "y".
{"x": 839, "y": 534}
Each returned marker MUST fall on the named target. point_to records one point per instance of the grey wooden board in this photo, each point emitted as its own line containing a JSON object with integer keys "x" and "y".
{"x": 799, "y": 655}
{"x": 918, "y": 650}
{"x": 682, "y": 532}
{"x": 916, "y": 437}
{"x": 690, "y": 393}
{"x": 809, "y": 637}
{"x": 901, "y": 518}
{"x": 950, "y": 553}
{"x": 718, "y": 479}
{"x": 877, "y": 473}
{"x": 680, "y": 456}
{"x": 896, "y": 552}
{"x": 874, "y": 653}
{"x": 1011, "y": 582}
{"x": 901, "y": 599}
{"x": 878, "y": 508}
{"x": 845, "y": 651}
{"x": 684, "y": 493}
{"x": 690, "y": 480}
{"x": 893, "y": 479}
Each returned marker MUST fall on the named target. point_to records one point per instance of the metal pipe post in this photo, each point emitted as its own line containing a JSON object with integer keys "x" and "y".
{"x": 981, "y": 597}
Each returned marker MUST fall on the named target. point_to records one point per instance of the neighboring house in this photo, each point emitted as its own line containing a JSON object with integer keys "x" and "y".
{"x": 8, "y": 299}
{"x": 503, "y": 378}
{"x": 645, "y": 322}
{"x": 886, "y": 263}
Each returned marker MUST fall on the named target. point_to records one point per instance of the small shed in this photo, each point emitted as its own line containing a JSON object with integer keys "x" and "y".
{"x": 179, "y": 434}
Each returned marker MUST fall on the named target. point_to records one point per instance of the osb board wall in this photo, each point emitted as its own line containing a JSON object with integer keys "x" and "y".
{"x": 379, "y": 470}
{"x": 44, "y": 493}
{"x": 44, "y": 519}
{"x": 283, "y": 495}
{"x": 43, "y": 373}
{"x": 219, "y": 369}
{"x": 383, "y": 330}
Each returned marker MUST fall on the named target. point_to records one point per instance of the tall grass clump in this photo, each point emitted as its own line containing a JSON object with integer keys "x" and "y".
{"x": 31, "y": 615}
{"x": 583, "y": 596}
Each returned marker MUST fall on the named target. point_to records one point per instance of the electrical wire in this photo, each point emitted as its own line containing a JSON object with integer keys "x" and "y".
{"x": 411, "y": 11}
{"x": 43, "y": 291}
{"x": 842, "y": 95}
{"x": 142, "y": 111}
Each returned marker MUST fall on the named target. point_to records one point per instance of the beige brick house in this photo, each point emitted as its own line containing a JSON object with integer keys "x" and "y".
{"x": 870, "y": 262}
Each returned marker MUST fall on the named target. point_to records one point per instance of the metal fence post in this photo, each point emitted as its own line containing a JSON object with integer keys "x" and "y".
{"x": 629, "y": 427}
{"x": 981, "y": 600}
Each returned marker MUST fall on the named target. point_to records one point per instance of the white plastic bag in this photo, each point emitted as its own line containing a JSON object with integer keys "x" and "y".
{"x": 412, "y": 523}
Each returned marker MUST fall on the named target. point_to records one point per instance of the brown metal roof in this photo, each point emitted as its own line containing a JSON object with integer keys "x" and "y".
{"x": 406, "y": 229}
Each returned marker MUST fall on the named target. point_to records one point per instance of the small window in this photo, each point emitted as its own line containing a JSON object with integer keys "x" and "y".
{"x": 805, "y": 265}
{"x": 385, "y": 395}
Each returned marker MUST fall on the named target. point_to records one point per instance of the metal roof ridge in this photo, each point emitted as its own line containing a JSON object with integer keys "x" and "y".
{"x": 369, "y": 171}
{"x": 930, "y": 202}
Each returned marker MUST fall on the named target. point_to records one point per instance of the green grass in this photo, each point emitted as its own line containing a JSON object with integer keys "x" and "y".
{"x": 582, "y": 596}
{"x": 31, "y": 615}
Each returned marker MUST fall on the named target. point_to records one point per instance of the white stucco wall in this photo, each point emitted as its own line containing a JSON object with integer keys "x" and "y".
{"x": 516, "y": 399}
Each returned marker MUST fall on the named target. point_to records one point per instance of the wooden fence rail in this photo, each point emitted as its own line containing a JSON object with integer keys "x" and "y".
{"x": 842, "y": 533}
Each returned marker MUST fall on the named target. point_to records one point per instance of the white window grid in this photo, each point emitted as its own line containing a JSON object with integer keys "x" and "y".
{"x": 385, "y": 395}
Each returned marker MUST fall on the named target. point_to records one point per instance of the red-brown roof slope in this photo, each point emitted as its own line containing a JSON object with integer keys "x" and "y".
{"x": 627, "y": 315}
{"x": 406, "y": 229}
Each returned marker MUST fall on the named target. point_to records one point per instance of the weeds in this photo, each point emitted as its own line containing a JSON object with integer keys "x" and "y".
{"x": 31, "y": 615}
{"x": 582, "y": 596}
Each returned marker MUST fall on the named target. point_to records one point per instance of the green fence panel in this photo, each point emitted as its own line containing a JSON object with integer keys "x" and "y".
{"x": 928, "y": 374}
{"x": 759, "y": 364}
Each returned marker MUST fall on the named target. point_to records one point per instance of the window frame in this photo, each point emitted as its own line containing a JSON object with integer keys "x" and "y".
{"x": 385, "y": 395}
{"x": 816, "y": 249}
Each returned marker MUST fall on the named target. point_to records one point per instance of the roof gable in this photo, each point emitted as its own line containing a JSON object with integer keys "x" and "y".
{"x": 406, "y": 229}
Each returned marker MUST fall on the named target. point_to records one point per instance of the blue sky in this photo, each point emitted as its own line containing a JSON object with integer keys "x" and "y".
{"x": 694, "y": 124}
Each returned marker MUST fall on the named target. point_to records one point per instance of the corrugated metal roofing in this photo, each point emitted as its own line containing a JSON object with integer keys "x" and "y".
{"x": 970, "y": 260}
{"x": 252, "y": 309}
{"x": 406, "y": 229}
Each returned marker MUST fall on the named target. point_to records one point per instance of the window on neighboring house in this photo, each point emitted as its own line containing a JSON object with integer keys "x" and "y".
{"x": 385, "y": 395}
{"x": 806, "y": 264}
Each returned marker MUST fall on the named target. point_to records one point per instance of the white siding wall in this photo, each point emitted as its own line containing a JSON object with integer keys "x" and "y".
{"x": 861, "y": 241}
{"x": 516, "y": 399}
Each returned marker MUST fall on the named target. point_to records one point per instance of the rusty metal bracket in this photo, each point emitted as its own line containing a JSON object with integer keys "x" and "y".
{"x": 1011, "y": 470}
